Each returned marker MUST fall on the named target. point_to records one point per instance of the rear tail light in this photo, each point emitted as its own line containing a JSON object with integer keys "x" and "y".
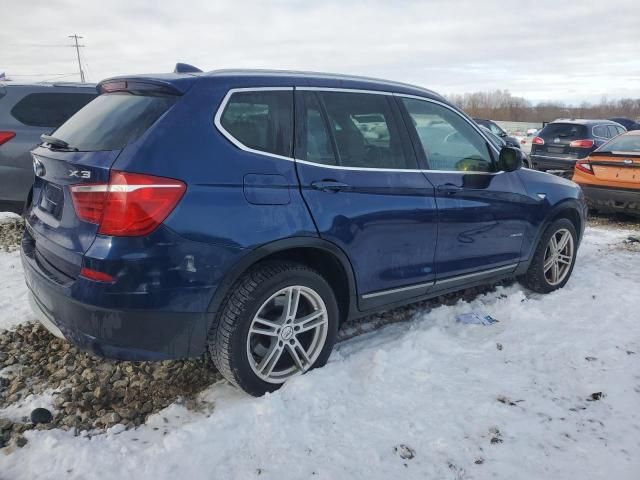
{"x": 584, "y": 166}
{"x": 537, "y": 141}
{"x": 131, "y": 204}
{"x": 6, "y": 136}
{"x": 582, "y": 144}
{"x": 523, "y": 141}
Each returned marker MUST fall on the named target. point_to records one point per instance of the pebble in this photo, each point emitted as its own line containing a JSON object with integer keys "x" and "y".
{"x": 41, "y": 415}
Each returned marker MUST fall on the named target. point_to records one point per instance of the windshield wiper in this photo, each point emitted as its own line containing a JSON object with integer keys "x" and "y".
{"x": 57, "y": 143}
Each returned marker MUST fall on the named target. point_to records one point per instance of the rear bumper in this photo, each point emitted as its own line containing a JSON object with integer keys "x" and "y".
{"x": 117, "y": 334}
{"x": 612, "y": 199}
{"x": 543, "y": 162}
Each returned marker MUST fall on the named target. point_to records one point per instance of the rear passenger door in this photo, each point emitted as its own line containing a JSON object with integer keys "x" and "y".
{"x": 360, "y": 180}
{"x": 482, "y": 212}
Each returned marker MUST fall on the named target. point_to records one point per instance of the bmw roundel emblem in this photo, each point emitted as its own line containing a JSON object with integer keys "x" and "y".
{"x": 38, "y": 167}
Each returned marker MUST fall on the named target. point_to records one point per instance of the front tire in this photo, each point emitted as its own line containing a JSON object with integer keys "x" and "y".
{"x": 553, "y": 259}
{"x": 278, "y": 321}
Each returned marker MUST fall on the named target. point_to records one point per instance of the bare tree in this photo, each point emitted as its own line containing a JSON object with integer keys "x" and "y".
{"x": 501, "y": 105}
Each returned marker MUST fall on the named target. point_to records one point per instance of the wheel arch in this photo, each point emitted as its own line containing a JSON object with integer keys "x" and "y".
{"x": 325, "y": 257}
{"x": 570, "y": 209}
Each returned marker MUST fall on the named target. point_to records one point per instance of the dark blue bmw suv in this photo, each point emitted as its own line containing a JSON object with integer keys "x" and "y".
{"x": 249, "y": 213}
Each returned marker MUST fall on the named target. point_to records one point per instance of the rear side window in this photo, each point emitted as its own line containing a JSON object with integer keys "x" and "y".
{"x": 601, "y": 131}
{"x": 261, "y": 120}
{"x": 366, "y": 131}
{"x": 316, "y": 143}
{"x": 49, "y": 109}
{"x": 567, "y": 131}
{"x": 113, "y": 120}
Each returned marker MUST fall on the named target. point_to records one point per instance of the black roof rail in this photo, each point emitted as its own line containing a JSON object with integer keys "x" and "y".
{"x": 186, "y": 68}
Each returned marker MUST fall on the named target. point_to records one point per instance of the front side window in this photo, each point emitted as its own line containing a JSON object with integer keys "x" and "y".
{"x": 449, "y": 141}
{"x": 365, "y": 130}
{"x": 261, "y": 120}
{"x": 613, "y": 131}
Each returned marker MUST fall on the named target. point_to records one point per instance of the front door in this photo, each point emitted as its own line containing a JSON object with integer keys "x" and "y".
{"x": 360, "y": 180}
{"x": 482, "y": 216}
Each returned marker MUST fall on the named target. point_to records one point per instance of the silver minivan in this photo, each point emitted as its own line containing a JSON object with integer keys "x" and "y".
{"x": 26, "y": 112}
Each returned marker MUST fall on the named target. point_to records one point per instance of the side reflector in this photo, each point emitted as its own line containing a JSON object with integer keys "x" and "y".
{"x": 95, "y": 275}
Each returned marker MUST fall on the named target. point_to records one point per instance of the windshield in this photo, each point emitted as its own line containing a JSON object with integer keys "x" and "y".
{"x": 112, "y": 121}
{"x": 624, "y": 144}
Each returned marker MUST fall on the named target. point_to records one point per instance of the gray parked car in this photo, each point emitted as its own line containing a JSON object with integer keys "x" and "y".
{"x": 26, "y": 112}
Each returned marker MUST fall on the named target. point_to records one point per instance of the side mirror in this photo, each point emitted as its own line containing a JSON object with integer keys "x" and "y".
{"x": 510, "y": 159}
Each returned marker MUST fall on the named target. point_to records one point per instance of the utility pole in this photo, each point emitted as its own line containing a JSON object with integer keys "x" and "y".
{"x": 77, "y": 47}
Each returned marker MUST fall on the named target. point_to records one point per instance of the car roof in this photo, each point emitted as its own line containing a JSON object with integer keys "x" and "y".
{"x": 583, "y": 121}
{"x": 48, "y": 85}
{"x": 324, "y": 79}
{"x": 255, "y": 77}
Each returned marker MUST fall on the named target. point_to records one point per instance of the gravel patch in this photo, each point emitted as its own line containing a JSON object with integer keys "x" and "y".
{"x": 89, "y": 392}
{"x": 11, "y": 229}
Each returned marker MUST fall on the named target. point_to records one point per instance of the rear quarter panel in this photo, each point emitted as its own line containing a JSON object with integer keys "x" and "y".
{"x": 186, "y": 145}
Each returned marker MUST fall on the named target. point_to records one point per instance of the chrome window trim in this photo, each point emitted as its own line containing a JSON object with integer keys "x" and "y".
{"x": 218, "y": 124}
{"x": 360, "y": 169}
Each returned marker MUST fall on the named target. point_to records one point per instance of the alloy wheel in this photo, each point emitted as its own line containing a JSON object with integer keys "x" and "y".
{"x": 287, "y": 334}
{"x": 558, "y": 257}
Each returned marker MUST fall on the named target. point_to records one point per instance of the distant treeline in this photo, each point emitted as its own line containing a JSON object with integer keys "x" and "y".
{"x": 501, "y": 105}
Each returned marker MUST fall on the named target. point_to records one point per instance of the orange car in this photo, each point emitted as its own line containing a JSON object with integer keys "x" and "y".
{"x": 610, "y": 176}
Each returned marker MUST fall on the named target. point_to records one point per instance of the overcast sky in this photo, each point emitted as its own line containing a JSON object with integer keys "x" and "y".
{"x": 542, "y": 50}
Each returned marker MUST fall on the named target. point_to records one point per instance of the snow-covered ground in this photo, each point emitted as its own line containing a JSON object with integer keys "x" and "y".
{"x": 14, "y": 305}
{"x": 511, "y": 400}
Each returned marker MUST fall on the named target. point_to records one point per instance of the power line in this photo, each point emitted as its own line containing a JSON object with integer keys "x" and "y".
{"x": 40, "y": 74}
{"x": 76, "y": 38}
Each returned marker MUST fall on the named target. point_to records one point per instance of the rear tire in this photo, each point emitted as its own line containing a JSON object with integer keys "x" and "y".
{"x": 278, "y": 321}
{"x": 553, "y": 259}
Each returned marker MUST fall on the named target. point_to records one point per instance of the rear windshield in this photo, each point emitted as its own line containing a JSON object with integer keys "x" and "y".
{"x": 622, "y": 144}
{"x": 112, "y": 121}
{"x": 568, "y": 131}
{"x": 49, "y": 109}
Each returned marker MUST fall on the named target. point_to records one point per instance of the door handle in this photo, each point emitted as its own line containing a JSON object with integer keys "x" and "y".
{"x": 449, "y": 188}
{"x": 329, "y": 185}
